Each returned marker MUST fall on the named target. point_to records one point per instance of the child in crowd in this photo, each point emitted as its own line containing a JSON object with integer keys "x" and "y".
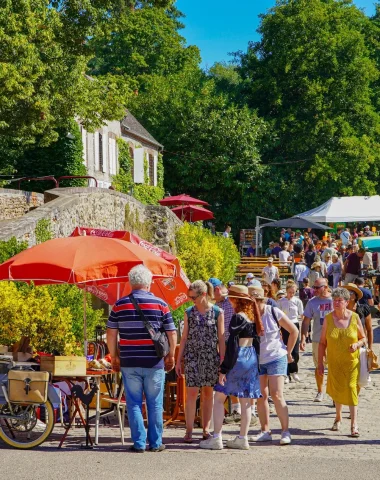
{"x": 335, "y": 269}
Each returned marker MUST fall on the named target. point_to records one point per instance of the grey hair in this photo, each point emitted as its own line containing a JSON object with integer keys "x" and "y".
{"x": 140, "y": 275}
{"x": 200, "y": 287}
{"x": 341, "y": 292}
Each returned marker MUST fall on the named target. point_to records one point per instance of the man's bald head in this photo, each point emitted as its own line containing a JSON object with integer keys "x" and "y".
{"x": 320, "y": 287}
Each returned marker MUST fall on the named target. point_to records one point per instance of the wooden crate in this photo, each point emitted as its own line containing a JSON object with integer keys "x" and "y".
{"x": 64, "y": 366}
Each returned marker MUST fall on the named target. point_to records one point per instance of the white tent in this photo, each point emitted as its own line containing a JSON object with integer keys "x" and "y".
{"x": 346, "y": 209}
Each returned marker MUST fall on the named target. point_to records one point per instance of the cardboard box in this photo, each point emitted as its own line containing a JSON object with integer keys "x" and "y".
{"x": 64, "y": 366}
{"x": 21, "y": 356}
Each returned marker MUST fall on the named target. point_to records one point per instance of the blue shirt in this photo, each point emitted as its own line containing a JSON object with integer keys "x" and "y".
{"x": 250, "y": 251}
{"x": 136, "y": 346}
{"x": 367, "y": 295}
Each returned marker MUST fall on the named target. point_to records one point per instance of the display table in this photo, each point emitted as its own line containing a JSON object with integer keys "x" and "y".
{"x": 96, "y": 376}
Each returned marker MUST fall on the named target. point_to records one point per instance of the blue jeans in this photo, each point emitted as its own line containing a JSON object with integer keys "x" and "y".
{"x": 149, "y": 381}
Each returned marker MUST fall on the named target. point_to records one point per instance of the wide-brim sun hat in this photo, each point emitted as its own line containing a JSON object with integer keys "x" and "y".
{"x": 316, "y": 264}
{"x": 256, "y": 292}
{"x": 239, "y": 291}
{"x": 354, "y": 288}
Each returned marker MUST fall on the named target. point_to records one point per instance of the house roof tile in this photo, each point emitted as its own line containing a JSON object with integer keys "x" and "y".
{"x": 133, "y": 126}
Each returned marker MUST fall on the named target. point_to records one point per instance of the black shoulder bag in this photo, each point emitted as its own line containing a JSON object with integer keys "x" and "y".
{"x": 159, "y": 339}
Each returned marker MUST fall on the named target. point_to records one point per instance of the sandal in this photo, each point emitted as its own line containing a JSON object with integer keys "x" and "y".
{"x": 336, "y": 426}
{"x": 188, "y": 438}
{"x": 206, "y": 435}
{"x": 355, "y": 431}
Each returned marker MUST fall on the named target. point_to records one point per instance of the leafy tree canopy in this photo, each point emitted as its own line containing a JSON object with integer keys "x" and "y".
{"x": 310, "y": 77}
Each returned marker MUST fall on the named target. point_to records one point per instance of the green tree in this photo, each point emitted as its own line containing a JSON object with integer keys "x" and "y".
{"x": 42, "y": 80}
{"x": 211, "y": 145}
{"x": 60, "y": 158}
{"x": 310, "y": 77}
{"x": 145, "y": 41}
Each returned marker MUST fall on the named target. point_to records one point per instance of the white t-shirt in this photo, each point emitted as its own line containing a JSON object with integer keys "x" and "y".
{"x": 269, "y": 274}
{"x": 301, "y": 271}
{"x": 284, "y": 256}
{"x": 292, "y": 308}
{"x": 345, "y": 237}
{"x": 271, "y": 345}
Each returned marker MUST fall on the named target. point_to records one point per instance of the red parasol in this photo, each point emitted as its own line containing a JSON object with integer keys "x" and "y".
{"x": 192, "y": 213}
{"x": 173, "y": 290}
{"x": 182, "y": 199}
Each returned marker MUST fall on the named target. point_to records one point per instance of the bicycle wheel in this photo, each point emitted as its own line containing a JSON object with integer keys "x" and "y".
{"x": 31, "y": 425}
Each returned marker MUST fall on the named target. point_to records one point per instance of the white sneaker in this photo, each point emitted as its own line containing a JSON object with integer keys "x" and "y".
{"x": 286, "y": 439}
{"x": 286, "y": 381}
{"x": 295, "y": 377}
{"x": 239, "y": 443}
{"x": 212, "y": 443}
{"x": 262, "y": 437}
{"x": 319, "y": 397}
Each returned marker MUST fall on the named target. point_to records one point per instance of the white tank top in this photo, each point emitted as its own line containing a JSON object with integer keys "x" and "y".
{"x": 271, "y": 345}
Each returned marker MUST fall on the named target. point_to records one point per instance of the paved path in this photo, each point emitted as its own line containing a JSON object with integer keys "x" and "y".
{"x": 316, "y": 452}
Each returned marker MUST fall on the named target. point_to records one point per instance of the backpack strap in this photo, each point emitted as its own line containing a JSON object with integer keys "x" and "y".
{"x": 189, "y": 311}
{"x": 274, "y": 315}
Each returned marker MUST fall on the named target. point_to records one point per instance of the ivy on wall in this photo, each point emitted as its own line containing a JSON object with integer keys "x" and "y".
{"x": 123, "y": 181}
{"x": 43, "y": 231}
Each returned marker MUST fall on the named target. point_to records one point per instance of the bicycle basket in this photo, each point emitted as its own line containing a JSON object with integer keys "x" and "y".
{"x": 27, "y": 386}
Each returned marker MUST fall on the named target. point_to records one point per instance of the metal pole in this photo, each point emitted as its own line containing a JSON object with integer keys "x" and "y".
{"x": 257, "y": 235}
{"x": 85, "y": 320}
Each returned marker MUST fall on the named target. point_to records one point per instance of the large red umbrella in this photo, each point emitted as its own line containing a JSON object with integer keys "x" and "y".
{"x": 82, "y": 261}
{"x": 192, "y": 213}
{"x": 182, "y": 199}
{"x": 173, "y": 290}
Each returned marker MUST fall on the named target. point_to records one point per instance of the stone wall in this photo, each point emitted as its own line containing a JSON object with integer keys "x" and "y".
{"x": 67, "y": 208}
{"x": 16, "y": 203}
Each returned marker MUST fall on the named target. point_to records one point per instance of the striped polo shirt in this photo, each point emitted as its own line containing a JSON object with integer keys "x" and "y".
{"x": 136, "y": 346}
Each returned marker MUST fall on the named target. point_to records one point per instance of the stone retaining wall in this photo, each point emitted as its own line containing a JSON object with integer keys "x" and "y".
{"x": 67, "y": 208}
{"x": 16, "y": 203}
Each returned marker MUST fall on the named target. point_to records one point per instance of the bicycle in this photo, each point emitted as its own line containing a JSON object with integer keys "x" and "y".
{"x": 26, "y": 420}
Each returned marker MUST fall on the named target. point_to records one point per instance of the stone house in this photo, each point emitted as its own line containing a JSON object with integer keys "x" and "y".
{"x": 100, "y": 151}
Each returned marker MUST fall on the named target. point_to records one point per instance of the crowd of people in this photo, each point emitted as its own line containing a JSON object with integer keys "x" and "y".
{"x": 241, "y": 342}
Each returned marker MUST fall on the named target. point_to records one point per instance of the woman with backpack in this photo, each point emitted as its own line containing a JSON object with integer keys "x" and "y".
{"x": 202, "y": 349}
{"x": 274, "y": 358}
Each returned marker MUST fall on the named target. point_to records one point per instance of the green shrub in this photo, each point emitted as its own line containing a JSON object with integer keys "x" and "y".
{"x": 203, "y": 255}
{"x": 10, "y": 248}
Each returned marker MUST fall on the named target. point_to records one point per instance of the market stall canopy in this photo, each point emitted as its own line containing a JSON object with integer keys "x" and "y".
{"x": 192, "y": 213}
{"x": 296, "y": 222}
{"x": 182, "y": 199}
{"x": 346, "y": 209}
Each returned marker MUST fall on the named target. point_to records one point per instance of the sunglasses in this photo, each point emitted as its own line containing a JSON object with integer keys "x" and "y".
{"x": 193, "y": 298}
{"x": 320, "y": 286}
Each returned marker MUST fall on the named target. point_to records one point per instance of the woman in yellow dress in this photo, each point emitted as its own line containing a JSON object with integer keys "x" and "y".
{"x": 342, "y": 335}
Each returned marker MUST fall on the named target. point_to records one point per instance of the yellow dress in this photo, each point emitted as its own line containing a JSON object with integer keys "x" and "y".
{"x": 343, "y": 370}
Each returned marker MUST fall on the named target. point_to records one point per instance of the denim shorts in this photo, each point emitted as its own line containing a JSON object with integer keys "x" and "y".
{"x": 276, "y": 368}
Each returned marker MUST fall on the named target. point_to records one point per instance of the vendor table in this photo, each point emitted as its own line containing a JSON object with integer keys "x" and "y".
{"x": 97, "y": 377}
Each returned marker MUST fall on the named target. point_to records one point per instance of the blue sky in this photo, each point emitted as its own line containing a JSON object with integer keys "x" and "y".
{"x": 217, "y": 27}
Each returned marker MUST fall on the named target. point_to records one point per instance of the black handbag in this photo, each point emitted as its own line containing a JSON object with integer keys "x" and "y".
{"x": 159, "y": 339}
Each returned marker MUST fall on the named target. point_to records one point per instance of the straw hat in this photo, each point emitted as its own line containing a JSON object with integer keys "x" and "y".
{"x": 239, "y": 291}
{"x": 256, "y": 292}
{"x": 316, "y": 264}
{"x": 354, "y": 288}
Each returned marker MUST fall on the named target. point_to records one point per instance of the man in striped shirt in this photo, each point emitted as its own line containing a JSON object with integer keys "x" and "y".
{"x": 143, "y": 372}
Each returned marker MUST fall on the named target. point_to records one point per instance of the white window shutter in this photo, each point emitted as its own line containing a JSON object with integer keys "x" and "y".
{"x": 105, "y": 152}
{"x": 155, "y": 170}
{"x": 112, "y": 154}
{"x": 138, "y": 167}
{"x": 84, "y": 145}
{"x": 96, "y": 151}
